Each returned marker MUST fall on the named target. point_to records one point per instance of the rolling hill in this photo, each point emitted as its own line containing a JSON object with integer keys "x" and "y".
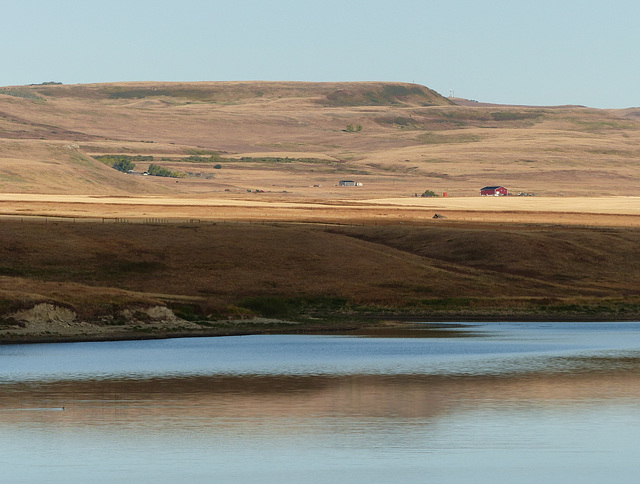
{"x": 299, "y": 139}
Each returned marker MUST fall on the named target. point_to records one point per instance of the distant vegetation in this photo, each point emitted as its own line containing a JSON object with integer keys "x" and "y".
{"x": 196, "y": 94}
{"x": 436, "y": 138}
{"x": 194, "y": 151}
{"x": 279, "y": 159}
{"x": 473, "y": 116}
{"x": 123, "y": 163}
{"x": 141, "y": 93}
{"x": 156, "y": 170}
{"x": 218, "y": 159}
{"x": 515, "y": 115}
{"x": 126, "y": 163}
{"x": 384, "y": 95}
{"x": 353, "y": 128}
{"x": 204, "y": 94}
{"x": 588, "y": 125}
{"x": 401, "y": 121}
{"x": 199, "y": 159}
{"x": 25, "y": 94}
{"x": 438, "y": 119}
{"x": 429, "y": 194}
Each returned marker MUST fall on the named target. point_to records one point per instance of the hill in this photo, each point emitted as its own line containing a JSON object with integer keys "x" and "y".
{"x": 299, "y": 139}
{"x": 108, "y": 280}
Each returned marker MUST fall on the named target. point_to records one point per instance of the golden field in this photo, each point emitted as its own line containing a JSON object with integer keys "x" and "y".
{"x": 256, "y": 224}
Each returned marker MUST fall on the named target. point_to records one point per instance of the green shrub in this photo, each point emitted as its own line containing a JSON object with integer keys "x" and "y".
{"x": 122, "y": 163}
{"x": 429, "y": 193}
{"x": 156, "y": 170}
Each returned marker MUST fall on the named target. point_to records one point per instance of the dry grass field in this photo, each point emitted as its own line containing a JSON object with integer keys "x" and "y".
{"x": 583, "y": 211}
{"x": 253, "y": 222}
{"x": 291, "y": 140}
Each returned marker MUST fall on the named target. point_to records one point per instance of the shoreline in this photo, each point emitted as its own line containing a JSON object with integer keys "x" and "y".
{"x": 263, "y": 326}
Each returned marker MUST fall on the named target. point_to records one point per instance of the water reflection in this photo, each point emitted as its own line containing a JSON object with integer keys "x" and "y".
{"x": 520, "y": 403}
{"x": 419, "y": 330}
{"x": 355, "y": 396}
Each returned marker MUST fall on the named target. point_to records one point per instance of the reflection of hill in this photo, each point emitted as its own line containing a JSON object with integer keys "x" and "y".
{"x": 219, "y": 401}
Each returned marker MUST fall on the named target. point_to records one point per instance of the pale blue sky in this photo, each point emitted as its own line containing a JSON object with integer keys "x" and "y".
{"x": 524, "y": 52}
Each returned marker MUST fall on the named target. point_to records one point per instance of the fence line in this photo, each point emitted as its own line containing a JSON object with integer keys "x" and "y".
{"x": 179, "y": 221}
{"x": 197, "y": 221}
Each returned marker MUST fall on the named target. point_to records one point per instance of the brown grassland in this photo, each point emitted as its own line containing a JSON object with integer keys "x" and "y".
{"x": 256, "y": 235}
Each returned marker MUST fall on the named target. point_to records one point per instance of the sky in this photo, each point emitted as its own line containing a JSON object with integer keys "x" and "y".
{"x": 504, "y": 51}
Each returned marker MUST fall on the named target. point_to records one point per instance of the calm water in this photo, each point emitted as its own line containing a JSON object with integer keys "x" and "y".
{"x": 477, "y": 403}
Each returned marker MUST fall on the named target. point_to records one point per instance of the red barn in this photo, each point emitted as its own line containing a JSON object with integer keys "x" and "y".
{"x": 494, "y": 191}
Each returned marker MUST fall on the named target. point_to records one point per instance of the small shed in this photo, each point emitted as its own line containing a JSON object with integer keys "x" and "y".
{"x": 496, "y": 191}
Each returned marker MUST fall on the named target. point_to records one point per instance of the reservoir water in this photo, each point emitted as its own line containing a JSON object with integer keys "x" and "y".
{"x": 481, "y": 403}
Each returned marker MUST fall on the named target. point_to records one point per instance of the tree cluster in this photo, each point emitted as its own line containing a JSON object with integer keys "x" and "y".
{"x": 429, "y": 193}
{"x": 123, "y": 163}
{"x": 156, "y": 170}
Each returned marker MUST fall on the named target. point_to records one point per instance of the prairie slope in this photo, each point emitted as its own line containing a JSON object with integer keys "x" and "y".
{"x": 229, "y": 262}
{"x": 592, "y": 261}
{"x": 422, "y": 270}
{"x": 293, "y": 138}
{"x": 45, "y": 167}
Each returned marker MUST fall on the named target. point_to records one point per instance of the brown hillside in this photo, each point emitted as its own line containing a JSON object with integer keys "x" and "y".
{"x": 450, "y": 271}
{"x": 28, "y": 165}
{"x": 292, "y": 137}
